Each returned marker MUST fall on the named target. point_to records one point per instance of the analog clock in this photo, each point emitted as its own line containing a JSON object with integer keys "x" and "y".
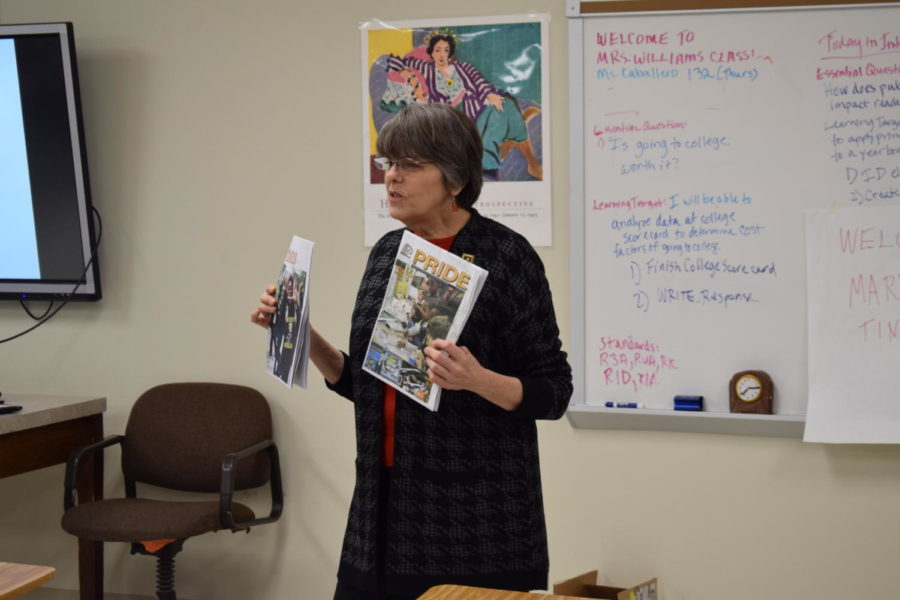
{"x": 751, "y": 392}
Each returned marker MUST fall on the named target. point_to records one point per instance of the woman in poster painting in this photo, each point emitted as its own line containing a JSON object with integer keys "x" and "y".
{"x": 439, "y": 77}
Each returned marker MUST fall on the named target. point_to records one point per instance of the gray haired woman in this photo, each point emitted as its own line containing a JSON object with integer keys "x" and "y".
{"x": 452, "y": 496}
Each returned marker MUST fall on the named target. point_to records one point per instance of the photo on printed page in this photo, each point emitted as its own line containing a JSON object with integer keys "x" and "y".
{"x": 287, "y": 356}
{"x": 429, "y": 297}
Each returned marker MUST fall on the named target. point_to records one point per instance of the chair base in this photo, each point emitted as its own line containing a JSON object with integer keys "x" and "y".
{"x": 165, "y": 567}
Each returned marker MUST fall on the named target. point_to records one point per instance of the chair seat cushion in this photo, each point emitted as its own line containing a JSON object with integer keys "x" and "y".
{"x": 140, "y": 519}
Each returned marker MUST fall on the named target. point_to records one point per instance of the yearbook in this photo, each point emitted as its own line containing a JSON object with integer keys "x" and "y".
{"x": 429, "y": 296}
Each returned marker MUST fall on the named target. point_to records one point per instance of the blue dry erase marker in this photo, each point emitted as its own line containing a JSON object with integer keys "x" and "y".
{"x": 624, "y": 405}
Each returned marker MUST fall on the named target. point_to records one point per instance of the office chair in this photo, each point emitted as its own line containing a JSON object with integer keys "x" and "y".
{"x": 191, "y": 437}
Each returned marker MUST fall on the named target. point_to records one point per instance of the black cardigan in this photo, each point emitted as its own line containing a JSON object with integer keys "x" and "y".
{"x": 465, "y": 494}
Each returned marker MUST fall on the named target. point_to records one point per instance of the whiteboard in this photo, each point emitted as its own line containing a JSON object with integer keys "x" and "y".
{"x": 698, "y": 140}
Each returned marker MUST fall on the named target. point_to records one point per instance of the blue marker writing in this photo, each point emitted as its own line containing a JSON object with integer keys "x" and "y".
{"x": 624, "y": 405}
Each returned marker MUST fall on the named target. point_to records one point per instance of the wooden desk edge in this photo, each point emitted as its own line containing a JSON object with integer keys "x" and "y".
{"x": 34, "y": 576}
{"x": 462, "y": 592}
{"x": 40, "y": 410}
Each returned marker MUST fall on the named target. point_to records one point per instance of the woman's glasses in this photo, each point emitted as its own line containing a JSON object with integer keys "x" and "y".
{"x": 404, "y": 165}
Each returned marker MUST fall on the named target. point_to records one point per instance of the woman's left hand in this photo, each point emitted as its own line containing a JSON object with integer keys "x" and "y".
{"x": 452, "y": 367}
{"x": 455, "y": 368}
{"x": 496, "y": 101}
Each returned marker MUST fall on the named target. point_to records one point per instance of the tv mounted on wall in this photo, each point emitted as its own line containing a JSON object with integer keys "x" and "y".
{"x": 47, "y": 244}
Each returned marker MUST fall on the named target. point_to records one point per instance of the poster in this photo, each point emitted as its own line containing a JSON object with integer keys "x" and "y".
{"x": 853, "y": 292}
{"x": 495, "y": 69}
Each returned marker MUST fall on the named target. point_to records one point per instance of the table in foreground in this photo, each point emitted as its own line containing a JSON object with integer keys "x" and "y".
{"x": 17, "y": 579}
{"x": 462, "y": 592}
{"x": 42, "y": 434}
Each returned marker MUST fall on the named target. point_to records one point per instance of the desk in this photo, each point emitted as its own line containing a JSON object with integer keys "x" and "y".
{"x": 17, "y": 579}
{"x": 462, "y": 592}
{"x": 42, "y": 434}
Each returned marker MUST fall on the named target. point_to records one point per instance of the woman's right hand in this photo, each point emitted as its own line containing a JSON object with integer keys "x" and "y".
{"x": 263, "y": 313}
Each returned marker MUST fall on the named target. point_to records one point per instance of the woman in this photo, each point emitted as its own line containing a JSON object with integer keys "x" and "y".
{"x": 459, "y": 84}
{"x": 452, "y": 496}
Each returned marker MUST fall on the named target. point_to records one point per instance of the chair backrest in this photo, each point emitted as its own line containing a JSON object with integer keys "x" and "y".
{"x": 178, "y": 433}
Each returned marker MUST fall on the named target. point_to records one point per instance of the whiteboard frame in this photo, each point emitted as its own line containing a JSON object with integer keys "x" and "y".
{"x": 580, "y": 414}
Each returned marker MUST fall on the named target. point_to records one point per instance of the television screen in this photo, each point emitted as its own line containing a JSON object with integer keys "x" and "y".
{"x": 47, "y": 248}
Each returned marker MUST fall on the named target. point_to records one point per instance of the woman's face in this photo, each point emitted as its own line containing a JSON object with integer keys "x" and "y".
{"x": 440, "y": 54}
{"x": 416, "y": 194}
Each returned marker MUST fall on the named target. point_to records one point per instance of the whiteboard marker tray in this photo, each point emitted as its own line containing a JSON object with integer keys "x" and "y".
{"x": 584, "y": 416}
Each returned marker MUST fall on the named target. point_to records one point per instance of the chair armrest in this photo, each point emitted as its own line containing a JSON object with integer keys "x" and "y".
{"x": 75, "y": 458}
{"x": 226, "y": 491}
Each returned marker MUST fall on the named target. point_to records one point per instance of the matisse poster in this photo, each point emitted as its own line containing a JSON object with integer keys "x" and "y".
{"x": 495, "y": 70}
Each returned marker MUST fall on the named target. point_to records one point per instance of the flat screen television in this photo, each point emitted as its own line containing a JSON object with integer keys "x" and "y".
{"x": 47, "y": 244}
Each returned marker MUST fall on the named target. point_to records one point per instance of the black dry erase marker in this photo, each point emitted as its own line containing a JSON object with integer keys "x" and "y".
{"x": 624, "y": 405}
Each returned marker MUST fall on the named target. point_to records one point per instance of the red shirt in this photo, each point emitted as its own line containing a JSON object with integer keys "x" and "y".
{"x": 390, "y": 394}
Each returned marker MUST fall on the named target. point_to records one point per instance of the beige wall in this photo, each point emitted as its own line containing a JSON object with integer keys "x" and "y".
{"x": 219, "y": 128}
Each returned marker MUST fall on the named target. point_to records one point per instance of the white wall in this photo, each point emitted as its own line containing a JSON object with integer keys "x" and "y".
{"x": 219, "y": 128}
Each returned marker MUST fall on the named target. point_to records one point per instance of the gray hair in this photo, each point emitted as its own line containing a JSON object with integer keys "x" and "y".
{"x": 440, "y": 134}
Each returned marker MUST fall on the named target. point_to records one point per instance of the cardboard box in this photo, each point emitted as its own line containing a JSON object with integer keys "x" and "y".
{"x": 585, "y": 586}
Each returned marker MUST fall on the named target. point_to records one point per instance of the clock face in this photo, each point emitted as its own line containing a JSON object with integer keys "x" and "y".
{"x": 748, "y": 388}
